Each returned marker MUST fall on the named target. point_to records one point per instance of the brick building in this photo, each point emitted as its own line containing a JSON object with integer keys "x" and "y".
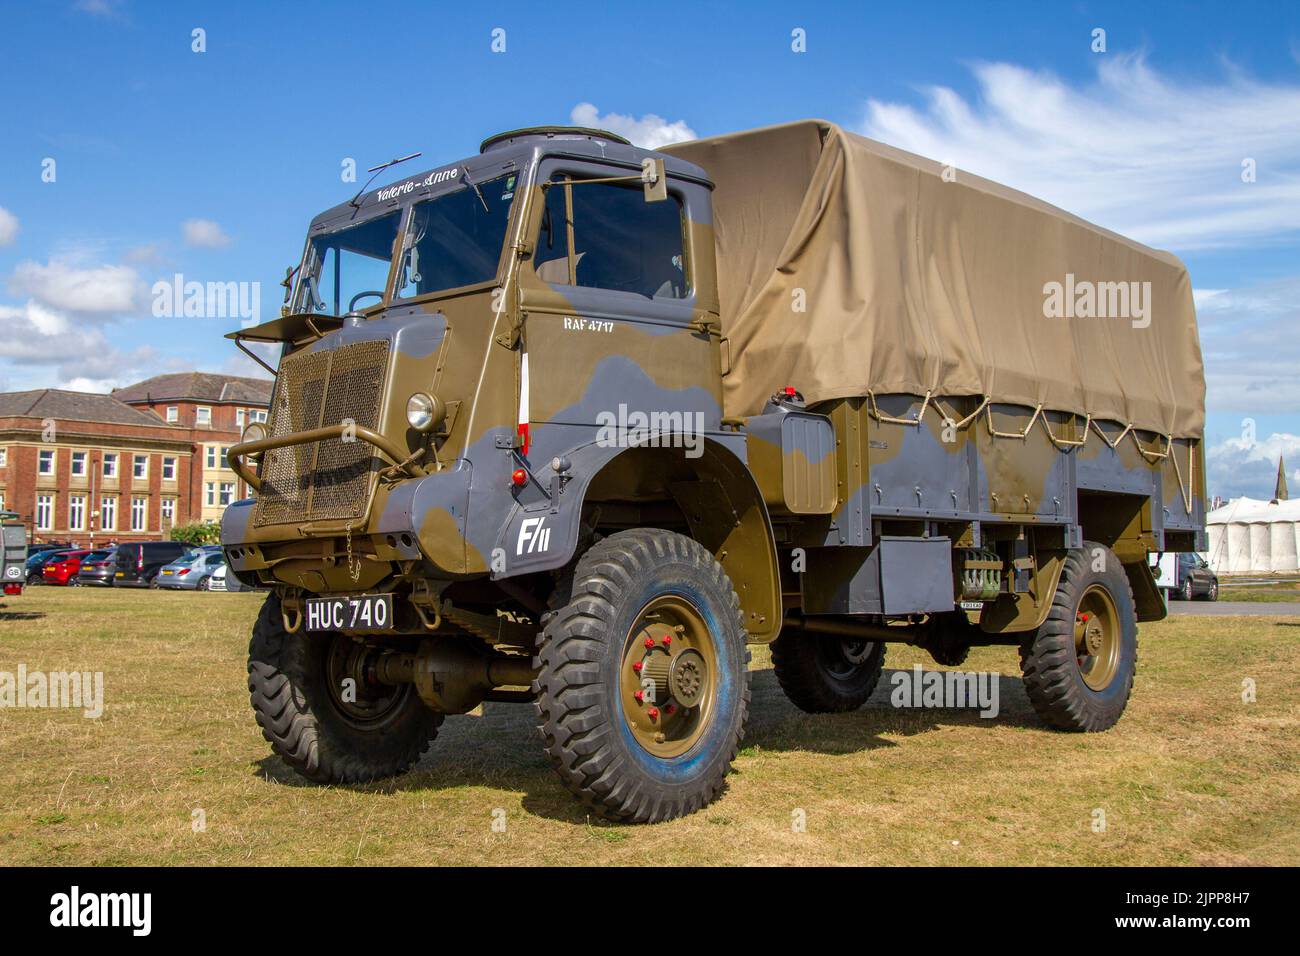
{"x": 93, "y": 469}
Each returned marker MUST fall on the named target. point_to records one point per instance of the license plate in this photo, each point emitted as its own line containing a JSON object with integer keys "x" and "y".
{"x": 168, "y": 573}
{"x": 121, "y": 574}
{"x": 364, "y": 612}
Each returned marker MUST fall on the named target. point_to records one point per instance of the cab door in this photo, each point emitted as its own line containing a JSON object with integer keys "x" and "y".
{"x": 615, "y": 329}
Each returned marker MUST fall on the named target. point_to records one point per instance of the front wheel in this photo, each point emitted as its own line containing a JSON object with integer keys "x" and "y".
{"x": 642, "y": 684}
{"x": 320, "y": 714}
{"x": 205, "y": 584}
{"x": 1079, "y": 665}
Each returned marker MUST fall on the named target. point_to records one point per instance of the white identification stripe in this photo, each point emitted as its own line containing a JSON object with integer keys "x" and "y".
{"x": 523, "y": 388}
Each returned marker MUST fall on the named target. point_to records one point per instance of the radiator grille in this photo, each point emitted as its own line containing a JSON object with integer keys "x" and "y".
{"x": 331, "y": 479}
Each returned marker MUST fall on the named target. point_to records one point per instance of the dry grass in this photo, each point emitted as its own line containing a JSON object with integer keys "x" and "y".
{"x": 1191, "y": 774}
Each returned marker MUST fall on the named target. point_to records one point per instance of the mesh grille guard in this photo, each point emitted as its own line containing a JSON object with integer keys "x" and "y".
{"x": 329, "y": 479}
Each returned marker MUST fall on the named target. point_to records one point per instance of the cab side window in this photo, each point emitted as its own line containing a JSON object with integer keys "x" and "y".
{"x": 606, "y": 236}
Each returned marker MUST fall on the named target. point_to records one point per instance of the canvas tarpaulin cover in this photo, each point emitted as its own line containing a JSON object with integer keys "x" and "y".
{"x": 916, "y": 283}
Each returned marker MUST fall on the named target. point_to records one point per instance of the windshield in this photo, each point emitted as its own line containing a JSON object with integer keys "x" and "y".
{"x": 348, "y": 269}
{"x": 455, "y": 240}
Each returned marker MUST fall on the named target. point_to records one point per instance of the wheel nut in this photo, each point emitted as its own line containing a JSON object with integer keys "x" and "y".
{"x": 669, "y": 709}
{"x": 668, "y": 639}
{"x": 653, "y": 713}
{"x": 637, "y": 665}
{"x": 649, "y": 643}
{"x": 639, "y": 695}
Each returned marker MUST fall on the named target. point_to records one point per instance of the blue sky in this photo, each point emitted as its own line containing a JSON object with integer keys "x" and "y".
{"x": 244, "y": 143}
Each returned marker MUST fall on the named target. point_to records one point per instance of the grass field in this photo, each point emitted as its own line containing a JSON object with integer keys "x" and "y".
{"x": 1191, "y": 774}
{"x": 1280, "y": 588}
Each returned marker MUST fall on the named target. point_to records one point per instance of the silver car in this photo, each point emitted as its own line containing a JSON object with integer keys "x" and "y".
{"x": 193, "y": 572}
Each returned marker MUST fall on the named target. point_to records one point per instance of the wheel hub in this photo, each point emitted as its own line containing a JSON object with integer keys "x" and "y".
{"x": 667, "y": 677}
{"x": 1097, "y": 638}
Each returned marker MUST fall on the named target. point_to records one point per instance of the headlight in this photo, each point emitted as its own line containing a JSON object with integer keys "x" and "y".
{"x": 256, "y": 431}
{"x": 420, "y": 411}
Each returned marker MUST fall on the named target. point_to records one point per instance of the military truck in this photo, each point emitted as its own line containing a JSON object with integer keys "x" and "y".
{"x": 570, "y": 423}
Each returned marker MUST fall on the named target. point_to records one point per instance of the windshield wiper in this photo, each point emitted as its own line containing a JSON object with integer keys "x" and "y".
{"x": 377, "y": 170}
{"x": 477, "y": 192}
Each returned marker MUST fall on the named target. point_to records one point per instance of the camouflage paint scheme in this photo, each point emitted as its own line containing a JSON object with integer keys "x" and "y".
{"x": 825, "y": 485}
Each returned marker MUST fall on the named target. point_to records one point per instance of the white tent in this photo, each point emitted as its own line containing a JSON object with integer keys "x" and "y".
{"x": 1254, "y": 537}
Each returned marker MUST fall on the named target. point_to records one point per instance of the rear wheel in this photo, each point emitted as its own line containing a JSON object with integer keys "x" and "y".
{"x": 825, "y": 674}
{"x": 205, "y": 584}
{"x": 642, "y": 684}
{"x": 1213, "y": 593}
{"x": 319, "y": 712}
{"x": 1079, "y": 665}
{"x": 1188, "y": 592}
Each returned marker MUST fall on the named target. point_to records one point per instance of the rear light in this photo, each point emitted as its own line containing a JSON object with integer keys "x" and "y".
{"x": 182, "y": 572}
{"x": 139, "y": 562}
{"x": 13, "y": 589}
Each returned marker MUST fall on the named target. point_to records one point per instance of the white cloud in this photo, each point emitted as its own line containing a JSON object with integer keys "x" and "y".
{"x": 1152, "y": 157}
{"x": 36, "y": 338}
{"x": 65, "y": 285}
{"x": 8, "y": 227}
{"x": 650, "y": 131}
{"x": 1251, "y": 350}
{"x": 1239, "y": 467}
{"x": 99, "y": 8}
{"x": 204, "y": 234}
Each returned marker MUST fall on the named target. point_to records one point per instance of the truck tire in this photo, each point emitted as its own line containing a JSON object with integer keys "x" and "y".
{"x": 825, "y": 674}
{"x": 643, "y": 609}
{"x": 1078, "y": 666}
{"x": 291, "y": 680}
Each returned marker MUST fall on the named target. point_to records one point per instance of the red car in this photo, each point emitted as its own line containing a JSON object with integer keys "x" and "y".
{"x": 66, "y": 567}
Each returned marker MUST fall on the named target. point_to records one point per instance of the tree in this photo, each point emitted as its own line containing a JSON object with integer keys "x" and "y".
{"x": 201, "y": 532}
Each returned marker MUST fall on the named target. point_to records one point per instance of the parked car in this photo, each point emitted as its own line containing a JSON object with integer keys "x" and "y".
{"x": 137, "y": 563}
{"x": 220, "y": 578}
{"x": 63, "y": 570}
{"x": 98, "y": 571}
{"x": 37, "y": 561}
{"x": 1186, "y": 575}
{"x": 1195, "y": 579}
{"x": 192, "y": 572}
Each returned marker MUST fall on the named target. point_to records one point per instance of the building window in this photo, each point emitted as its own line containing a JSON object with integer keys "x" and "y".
{"x": 2, "y": 501}
{"x": 45, "y": 461}
{"x": 173, "y": 414}
{"x": 139, "y": 513}
{"x": 169, "y": 469}
{"x": 256, "y": 415}
{"x": 168, "y": 510}
{"x": 108, "y": 514}
{"x": 227, "y": 492}
{"x": 225, "y": 452}
{"x": 203, "y": 416}
{"x": 211, "y": 489}
{"x": 211, "y": 460}
{"x": 77, "y": 513}
{"x": 239, "y": 419}
{"x": 44, "y": 512}
{"x": 110, "y": 465}
{"x": 140, "y": 466}
{"x": 4, "y": 457}
{"x": 79, "y": 464}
